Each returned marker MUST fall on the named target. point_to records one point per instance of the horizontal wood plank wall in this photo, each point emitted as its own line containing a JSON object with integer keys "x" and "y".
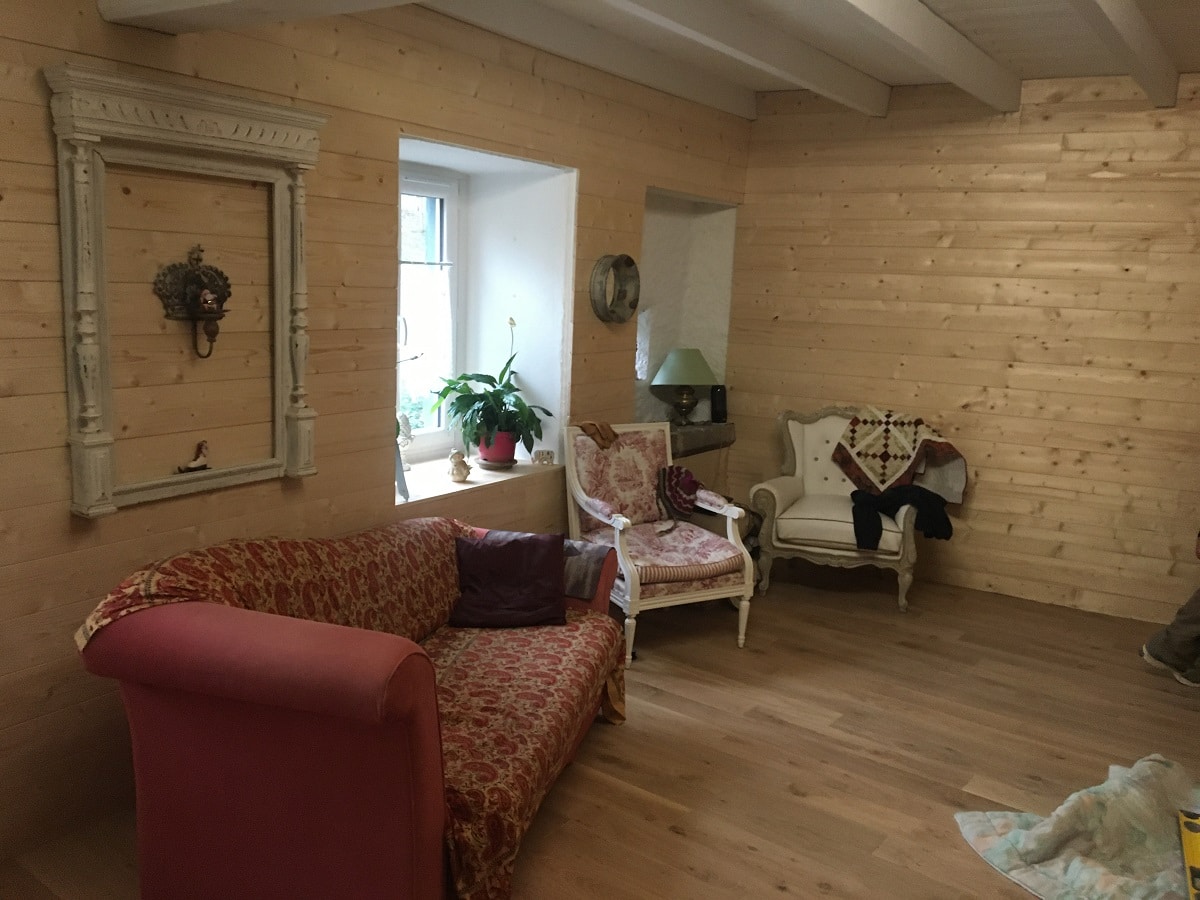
{"x": 1030, "y": 283}
{"x": 225, "y": 400}
{"x": 63, "y": 748}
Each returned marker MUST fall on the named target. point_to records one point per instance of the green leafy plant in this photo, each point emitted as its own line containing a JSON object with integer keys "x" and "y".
{"x": 480, "y": 405}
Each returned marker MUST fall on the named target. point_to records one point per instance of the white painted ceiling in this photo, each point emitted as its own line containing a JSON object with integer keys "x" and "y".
{"x": 722, "y": 52}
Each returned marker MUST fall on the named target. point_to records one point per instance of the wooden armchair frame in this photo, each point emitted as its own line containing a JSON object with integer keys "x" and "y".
{"x": 627, "y": 593}
{"x": 774, "y": 496}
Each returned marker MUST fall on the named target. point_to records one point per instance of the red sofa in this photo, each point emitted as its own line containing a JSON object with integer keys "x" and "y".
{"x": 315, "y": 729}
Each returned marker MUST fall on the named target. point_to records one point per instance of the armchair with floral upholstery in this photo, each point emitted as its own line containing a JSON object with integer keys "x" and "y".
{"x": 613, "y": 499}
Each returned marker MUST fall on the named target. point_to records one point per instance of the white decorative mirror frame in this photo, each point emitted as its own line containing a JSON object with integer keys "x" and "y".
{"x": 104, "y": 118}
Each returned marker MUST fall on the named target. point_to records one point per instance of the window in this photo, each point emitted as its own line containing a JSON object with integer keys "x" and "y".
{"x": 484, "y": 240}
{"x": 428, "y": 294}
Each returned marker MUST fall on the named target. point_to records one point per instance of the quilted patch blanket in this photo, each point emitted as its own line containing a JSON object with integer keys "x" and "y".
{"x": 883, "y": 448}
{"x": 1116, "y": 841}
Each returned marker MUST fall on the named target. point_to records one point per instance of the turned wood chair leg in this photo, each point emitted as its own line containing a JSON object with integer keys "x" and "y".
{"x": 906, "y": 580}
{"x": 764, "y": 571}
{"x": 630, "y": 628}
{"x": 743, "y": 617}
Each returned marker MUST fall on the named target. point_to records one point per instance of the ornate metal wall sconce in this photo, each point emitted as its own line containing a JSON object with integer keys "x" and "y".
{"x": 193, "y": 292}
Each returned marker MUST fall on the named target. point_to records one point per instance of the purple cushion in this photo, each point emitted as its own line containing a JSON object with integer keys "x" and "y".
{"x": 508, "y": 579}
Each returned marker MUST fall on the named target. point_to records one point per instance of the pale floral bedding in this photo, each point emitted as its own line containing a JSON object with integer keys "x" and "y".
{"x": 1116, "y": 841}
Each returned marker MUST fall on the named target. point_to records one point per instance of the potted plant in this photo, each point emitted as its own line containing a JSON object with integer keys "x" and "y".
{"x": 491, "y": 415}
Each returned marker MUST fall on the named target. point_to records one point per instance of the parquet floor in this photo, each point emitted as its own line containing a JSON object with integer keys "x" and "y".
{"x": 826, "y": 759}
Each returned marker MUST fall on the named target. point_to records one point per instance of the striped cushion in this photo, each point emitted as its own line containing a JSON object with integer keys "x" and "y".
{"x": 686, "y": 552}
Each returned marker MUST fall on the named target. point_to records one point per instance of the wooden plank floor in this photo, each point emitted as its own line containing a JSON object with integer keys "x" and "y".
{"x": 826, "y": 759}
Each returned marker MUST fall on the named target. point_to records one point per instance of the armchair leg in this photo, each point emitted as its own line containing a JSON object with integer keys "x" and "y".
{"x": 743, "y": 617}
{"x": 906, "y": 580}
{"x": 764, "y": 570}
{"x": 630, "y": 628}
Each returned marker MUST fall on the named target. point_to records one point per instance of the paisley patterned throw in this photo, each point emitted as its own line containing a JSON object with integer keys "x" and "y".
{"x": 401, "y": 579}
{"x": 502, "y": 748}
{"x": 512, "y": 702}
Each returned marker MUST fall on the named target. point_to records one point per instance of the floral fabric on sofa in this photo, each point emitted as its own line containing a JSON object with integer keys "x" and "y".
{"x": 401, "y": 579}
{"x": 512, "y": 702}
{"x": 502, "y": 748}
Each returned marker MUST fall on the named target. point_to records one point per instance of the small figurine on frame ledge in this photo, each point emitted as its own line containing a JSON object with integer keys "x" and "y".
{"x": 199, "y": 462}
{"x": 459, "y": 467}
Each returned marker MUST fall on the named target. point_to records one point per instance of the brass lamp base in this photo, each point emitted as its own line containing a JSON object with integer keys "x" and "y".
{"x": 685, "y": 401}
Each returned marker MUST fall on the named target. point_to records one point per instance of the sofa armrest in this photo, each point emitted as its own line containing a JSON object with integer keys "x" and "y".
{"x": 256, "y": 737}
{"x": 600, "y": 599}
{"x": 253, "y": 657}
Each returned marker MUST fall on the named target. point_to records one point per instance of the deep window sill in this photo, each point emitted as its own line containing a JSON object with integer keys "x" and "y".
{"x": 430, "y": 480}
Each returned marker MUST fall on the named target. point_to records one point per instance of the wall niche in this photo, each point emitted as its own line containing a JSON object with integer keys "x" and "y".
{"x": 147, "y": 171}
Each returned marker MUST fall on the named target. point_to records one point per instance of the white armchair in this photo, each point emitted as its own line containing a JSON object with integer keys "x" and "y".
{"x": 612, "y": 499}
{"x": 807, "y": 511}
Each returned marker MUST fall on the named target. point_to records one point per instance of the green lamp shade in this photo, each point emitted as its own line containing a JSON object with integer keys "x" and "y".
{"x": 682, "y": 369}
{"x": 684, "y": 366}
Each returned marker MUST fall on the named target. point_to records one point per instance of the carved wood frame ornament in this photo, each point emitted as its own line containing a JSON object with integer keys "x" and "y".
{"x": 103, "y": 118}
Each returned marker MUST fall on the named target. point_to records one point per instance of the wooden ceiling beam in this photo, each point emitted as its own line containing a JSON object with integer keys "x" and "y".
{"x": 183, "y": 16}
{"x": 1123, "y": 29}
{"x": 732, "y": 33}
{"x": 911, "y": 27}
{"x": 563, "y": 35}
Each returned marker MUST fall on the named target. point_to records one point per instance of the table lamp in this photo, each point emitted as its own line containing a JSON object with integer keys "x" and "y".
{"x": 684, "y": 369}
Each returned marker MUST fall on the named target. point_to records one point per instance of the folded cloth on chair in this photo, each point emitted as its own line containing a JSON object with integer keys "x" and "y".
{"x": 932, "y": 520}
{"x": 582, "y": 566}
{"x": 677, "y": 490}
{"x": 600, "y": 432}
{"x": 883, "y": 448}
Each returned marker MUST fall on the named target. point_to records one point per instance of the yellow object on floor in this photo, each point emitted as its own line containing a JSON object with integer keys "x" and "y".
{"x": 1189, "y": 841}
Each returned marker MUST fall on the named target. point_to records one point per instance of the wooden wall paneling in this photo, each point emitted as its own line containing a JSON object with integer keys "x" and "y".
{"x": 1029, "y": 283}
{"x": 33, "y": 422}
{"x": 32, "y": 251}
{"x": 344, "y": 177}
{"x": 378, "y": 76}
{"x": 225, "y": 400}
{"x": 32, "y": 309}
{"x": 534, "y": 502}
{"x": 28, "y": 193}
{"x": 158, "y": 455}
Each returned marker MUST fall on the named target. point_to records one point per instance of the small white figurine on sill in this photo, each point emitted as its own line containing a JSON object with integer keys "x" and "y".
{"x": 459, "y": 467}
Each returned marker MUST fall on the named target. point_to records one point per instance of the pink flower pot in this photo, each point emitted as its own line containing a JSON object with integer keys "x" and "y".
{"x": 503, "y": 452}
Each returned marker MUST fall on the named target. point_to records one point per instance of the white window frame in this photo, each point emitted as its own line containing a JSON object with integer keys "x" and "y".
{"x": 451, "y": 188}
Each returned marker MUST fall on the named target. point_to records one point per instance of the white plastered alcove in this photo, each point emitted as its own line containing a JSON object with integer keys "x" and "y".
{"x": 101, "y": 120}
{"x": 686, "y": 268}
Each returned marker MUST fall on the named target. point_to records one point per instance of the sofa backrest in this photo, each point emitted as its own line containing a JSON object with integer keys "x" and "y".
{"x": 401, "y": 578}
{"x": 813, "y": 444}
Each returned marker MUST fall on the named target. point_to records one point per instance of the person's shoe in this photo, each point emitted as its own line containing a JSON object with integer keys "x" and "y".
{"x": 1188, "y": 679}
{"x": 1153, "y": 660}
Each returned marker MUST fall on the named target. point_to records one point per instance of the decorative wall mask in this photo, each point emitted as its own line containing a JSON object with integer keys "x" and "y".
{"x": 193, "y": 292}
